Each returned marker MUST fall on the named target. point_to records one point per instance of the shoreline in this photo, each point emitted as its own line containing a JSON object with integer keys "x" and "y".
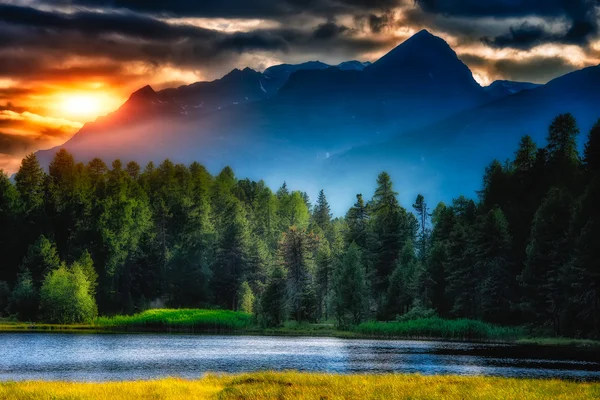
{"x": 20, "y": 327}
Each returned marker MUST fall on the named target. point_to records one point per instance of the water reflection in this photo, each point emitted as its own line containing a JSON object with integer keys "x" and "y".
{"x": 97, "y": 357}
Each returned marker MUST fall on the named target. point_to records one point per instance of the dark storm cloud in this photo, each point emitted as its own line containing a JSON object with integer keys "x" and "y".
{"x": 237, "y": 8}
{"x": 329, "y": 30}
{"x": 124, "y": 36}
{"x": 580, "y": 15}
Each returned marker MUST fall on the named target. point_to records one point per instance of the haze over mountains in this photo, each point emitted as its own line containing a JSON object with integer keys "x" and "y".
{"x": 417, "y": 112}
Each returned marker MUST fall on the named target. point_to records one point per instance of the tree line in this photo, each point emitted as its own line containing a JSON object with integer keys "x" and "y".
{"x": 87, "y": 239}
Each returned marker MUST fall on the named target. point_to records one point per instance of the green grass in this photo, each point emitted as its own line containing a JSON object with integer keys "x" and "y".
{"x": 180, "y": 319}
{"x": 459, "y": 329}
{"x": 566, "y": 342}
{"x": 304, "y": 386}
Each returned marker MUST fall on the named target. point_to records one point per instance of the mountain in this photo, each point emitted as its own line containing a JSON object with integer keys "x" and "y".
{"x": 499, "y": 89}
{"x": 416, "y": 112}
{"x": 448, "y": 157}
{"x": 238, "y": 86}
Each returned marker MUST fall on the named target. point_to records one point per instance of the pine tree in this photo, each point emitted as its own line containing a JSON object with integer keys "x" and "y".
{"x": 358, "y": 223}
{"x": 323, "y": 278}
{"x": 421, "y": 209}
{"x": 591, "y": 152}
{"x": 10, "y": 218}
{"x": 231, "y": 262}
{"x": 563, "y": 157}
{"x": 525, "y": 156}
{"x": 322, "y": 212}
{"x": 296, "y": 255}
{"x": 436, "y": 279}
{"x": 402, "y": 290}
{"x": 42, "y": 257}
{"x": 585, "y": 268}
{"x": 350, "y": 297}
{"x": 547, "y": 255}
{"x": 494, "y": 259}
{"x": 24, "y": 300}
{"x": 273, "y": 300}
{"x": 389, "y": 227}
{"x": 30, "y": 184}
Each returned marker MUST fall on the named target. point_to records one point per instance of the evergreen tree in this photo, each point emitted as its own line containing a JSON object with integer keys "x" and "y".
{"x": 563, "y": 157}
{"x": 436, "y": 279}
{"x": 420, "y": 208}
{"x": 296, "y": 257}
{"x": 547, "y": 256}
{"x": 585, "y": 268}
{"x": 322, "y": 212}
{"x": 402, "y": 290}
{"x": 30, "y": 184}
{"x": 41, "y": 258}
{"x": 231, "y": 261}
{"x": 493, "y": 258}
{"x": 24, "y": 299}
{"x": 389, "y": 227}
{"x": 273, "y": 308}
{"x": 591, "y": 152}
{"x": 350, "y": 295}
{"x": 323, "y": 278}
{"x": 9, "y": 228}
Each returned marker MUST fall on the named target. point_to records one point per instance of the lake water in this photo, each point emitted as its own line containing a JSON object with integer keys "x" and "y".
{"x": 100, "y": 357}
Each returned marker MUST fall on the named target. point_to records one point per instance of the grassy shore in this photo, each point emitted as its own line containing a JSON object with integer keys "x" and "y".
{"x": 224, "y": 321}
{"x": 294, "y": 385}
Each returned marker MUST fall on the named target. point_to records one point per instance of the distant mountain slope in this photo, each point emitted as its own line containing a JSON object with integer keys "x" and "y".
{"x": 500, "y": 89}
{"x": 448, "y": 157}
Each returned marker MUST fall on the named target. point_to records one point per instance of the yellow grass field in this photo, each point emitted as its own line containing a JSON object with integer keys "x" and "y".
{"x": 294, "y": 385}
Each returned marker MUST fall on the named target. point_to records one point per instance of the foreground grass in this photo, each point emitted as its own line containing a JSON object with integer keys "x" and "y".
{"x": 180, "y": 319}
{"x": 294, "y": 385}
{"x": 459, "y": 329}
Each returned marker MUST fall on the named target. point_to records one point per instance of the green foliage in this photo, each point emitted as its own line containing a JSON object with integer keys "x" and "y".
{"x": 524, "y": 254}
{"x": 297, "y": 261}
{"x": 272, "y": 304}
{"x": 4, "y": 297}
{"x": 459, "y": 329}
{"x": 350, "y": 298}
{"x": 24, "y": 300}
{"x": 193, "y": 319}
{"x": 246, "y": 298}
{"x": 41, "y": 259}
{"x": 65, "y": 296}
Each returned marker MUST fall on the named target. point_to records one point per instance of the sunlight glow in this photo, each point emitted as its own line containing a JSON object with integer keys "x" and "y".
{"x": 81, "y": 105}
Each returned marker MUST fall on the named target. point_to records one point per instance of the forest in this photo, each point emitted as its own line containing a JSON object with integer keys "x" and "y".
{"x": 84, "y": 240}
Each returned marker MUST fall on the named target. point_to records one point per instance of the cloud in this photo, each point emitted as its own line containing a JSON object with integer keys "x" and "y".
{"x": 537, "y": 69}
{"x": 237, "y": 8}
{"x": 580, "y": 18}
{"x": 329, "y": 30}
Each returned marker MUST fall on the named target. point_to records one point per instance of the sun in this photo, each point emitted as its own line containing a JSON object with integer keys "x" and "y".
{"x": 81, "y": 105}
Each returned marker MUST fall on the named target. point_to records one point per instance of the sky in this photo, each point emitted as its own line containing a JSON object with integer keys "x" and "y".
{"x": 66, "y": 62}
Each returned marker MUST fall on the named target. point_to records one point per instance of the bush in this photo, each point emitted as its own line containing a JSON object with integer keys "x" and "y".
{"x": 65, "y": 297}
{"x": 417, "y": 312}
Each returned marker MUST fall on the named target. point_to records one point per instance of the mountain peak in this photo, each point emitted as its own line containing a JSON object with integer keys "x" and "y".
{"x": 144, "y": 93}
